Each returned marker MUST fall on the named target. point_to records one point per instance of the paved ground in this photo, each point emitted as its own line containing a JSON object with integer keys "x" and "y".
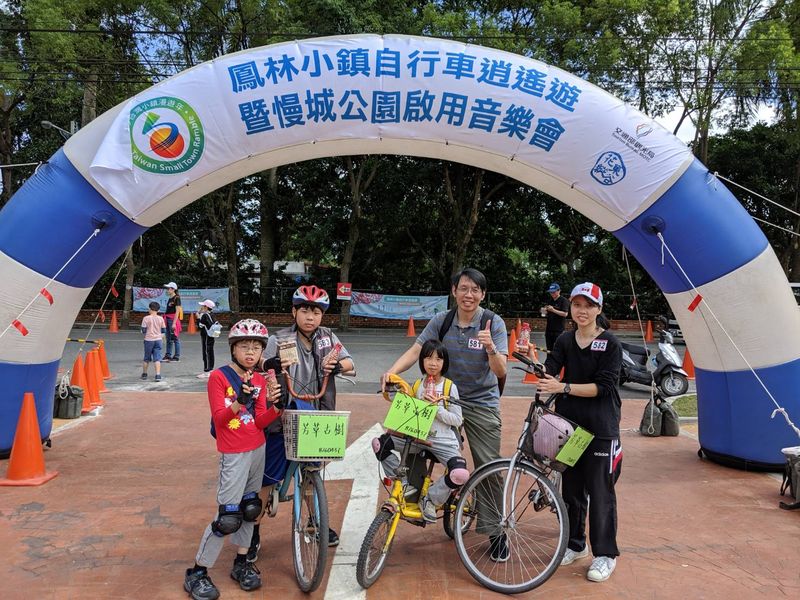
{"x": 136, "y": 488}
{"x": 374, "y": 350}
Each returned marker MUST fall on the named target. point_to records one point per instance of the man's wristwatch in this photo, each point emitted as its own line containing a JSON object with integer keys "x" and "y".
{"x": 567, "y": 388}
{"x": 491, "y": 351}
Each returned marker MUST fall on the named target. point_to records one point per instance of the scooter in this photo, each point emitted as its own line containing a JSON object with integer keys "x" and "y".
{"x": 665, "y": 369}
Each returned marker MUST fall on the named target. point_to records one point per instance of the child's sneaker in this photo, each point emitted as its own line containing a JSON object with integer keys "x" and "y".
{"x": 428, "y": 510}
{"x": 247, "y": 574}
{"x": 158, "y": 378}
{"x": 199, "y": 585}
{"x": 144, "y": 375}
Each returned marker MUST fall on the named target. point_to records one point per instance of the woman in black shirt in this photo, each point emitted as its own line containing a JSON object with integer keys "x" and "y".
{"x": 591, "y": 358}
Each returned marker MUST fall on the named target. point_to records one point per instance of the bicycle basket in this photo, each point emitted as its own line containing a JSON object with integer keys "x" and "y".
{"x": 315, "y": 435}
{"x": 546, "y": 436}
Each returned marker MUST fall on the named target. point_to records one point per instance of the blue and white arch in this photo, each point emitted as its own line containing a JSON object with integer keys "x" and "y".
{"x": 243, "y": 113}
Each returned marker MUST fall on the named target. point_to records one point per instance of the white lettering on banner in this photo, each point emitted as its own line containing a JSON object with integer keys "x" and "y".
{"x": 389, "y": 87}
{"x": 474, "y": 344}
{"x": 599, "y": 345}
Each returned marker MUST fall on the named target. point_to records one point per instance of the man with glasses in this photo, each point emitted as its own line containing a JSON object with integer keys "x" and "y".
{"x": 478, "y": 358}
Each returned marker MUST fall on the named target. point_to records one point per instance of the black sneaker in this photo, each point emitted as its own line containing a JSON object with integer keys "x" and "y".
{"x": 166, "y": 359}
{"x": 176, "y": 359}
{"x": 255, "y": 546}
{"x": 499, "y": 547}
{"x": 333, "y": 538}
{"x": 199, "y": 585}
{"x": 247, "y": 574}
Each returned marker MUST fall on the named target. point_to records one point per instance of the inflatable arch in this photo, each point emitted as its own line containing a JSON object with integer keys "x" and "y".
{"x": 246, "y": 112}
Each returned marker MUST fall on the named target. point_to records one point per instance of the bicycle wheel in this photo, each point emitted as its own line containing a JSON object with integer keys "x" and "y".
{"x": 310, "y": 531}
{"x": 375, "y": 549}
{"x": 534, "y": 521}
{"x": 448, "y": 522}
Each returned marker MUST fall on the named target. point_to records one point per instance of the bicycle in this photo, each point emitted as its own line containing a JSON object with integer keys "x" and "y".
{"x": 309, "y": 499}
{"x": 399, "y": 505}
{"x": 518, "y": 497}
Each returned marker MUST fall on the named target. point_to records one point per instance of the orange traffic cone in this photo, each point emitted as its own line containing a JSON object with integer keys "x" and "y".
{"x": 518, "y": 328}
{"x": 98, "y": 369}
{"x": 91, "y": 395}
{"x": 93, "y": 376}
{"x": 114, "y": 326}
{"x": 192, "y": 326}
{"x": 26, "y": 465}
{"x": 411, "y": 332}
{"x": 101, "y": 347}
{"x": 78, "y": 374}
{"x": 688, "y": 364}
{"x": 648, "y": 336}
{"x": 512, "y": 346}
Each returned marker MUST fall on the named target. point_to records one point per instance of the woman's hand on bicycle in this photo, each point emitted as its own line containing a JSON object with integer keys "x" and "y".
{"x": 549, "y": 385}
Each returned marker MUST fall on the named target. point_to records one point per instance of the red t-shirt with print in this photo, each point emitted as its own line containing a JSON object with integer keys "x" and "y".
{"x": 238, "y": 432}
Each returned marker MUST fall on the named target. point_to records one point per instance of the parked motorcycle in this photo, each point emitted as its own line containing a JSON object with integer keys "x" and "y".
{"x": 665, "y": 368}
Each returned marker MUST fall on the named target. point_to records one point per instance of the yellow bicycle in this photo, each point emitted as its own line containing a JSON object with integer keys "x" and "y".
{"x": 399, "y": 505}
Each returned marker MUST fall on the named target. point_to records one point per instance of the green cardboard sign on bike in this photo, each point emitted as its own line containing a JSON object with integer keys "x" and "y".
{"x": 321, "y": 436}
{"x": 574, "y": 447}
{"x": 410, "y": 416}
{"x": 247, "y": 112}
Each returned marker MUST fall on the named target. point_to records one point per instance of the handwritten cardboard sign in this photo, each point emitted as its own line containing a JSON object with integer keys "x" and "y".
{"x": 410, "y": 416}
{"x": 321, "y": 436}
{"x": 575, "y": 446}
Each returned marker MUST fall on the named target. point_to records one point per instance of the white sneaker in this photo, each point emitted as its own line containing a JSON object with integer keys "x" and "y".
{"x": 570, "y": 556}
{"x": 601, "y": 569}
{"x": 428, "y": 510}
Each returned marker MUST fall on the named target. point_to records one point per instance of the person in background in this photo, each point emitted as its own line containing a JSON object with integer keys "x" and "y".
{"x": 555, "y": 311}
{"x": 173, "y": 315}
{"x": 153, "y": 327}
{"x": 204, "y": 323}
{"x": 591, "y": 357}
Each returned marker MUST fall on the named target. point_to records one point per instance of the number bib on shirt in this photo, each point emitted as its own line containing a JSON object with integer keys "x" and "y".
{"x": 599, "y": 345}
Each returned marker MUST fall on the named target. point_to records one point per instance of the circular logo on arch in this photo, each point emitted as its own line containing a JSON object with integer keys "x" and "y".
{"x": 166, "y": 135}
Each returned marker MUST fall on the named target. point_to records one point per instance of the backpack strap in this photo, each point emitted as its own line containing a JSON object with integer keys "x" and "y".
{"x": 447, "y": 323}
{"x": 236, "y": 383}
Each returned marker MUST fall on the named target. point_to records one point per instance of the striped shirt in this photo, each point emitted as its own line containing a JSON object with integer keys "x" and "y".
{"x": 469, "y": 363}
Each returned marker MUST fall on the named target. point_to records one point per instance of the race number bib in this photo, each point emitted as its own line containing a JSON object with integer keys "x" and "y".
{"x": 323, "y": 343}
{"x": 599, "y": 345}
{"x": 474, "y": 344}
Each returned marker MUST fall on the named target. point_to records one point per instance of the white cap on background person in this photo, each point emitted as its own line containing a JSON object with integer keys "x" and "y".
{"x": 207, "y": 303}
{"x": 172, "y": 285}
{"x": 588, "y": 290}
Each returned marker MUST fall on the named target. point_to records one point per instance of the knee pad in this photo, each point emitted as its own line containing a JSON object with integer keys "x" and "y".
{"x": 457, "y": 473}
{"x": 250, "y": 507}
{"x": 382, "y": 446}
{"x": 228, "y": 520}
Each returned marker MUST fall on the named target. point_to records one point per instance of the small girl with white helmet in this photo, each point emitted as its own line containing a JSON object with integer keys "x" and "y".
{"x": 239, "y": 414}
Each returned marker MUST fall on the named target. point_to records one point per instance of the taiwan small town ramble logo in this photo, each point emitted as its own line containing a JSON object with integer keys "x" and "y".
{"x": 166, "y": 135}
{"x": 609, "y": 168}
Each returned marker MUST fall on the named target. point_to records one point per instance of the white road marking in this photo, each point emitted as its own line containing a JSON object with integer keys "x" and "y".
{"x": 361, "y": 466}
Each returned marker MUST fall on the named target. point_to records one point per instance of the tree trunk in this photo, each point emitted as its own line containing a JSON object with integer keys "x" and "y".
{"x": 358, "y": 186}
{"x": 9, "y": 104}
{"x": 130, "y": 272}
{"x": 269, "y": 197}
{"x": 89, "y": 111}
{"x": 232, "y": 258}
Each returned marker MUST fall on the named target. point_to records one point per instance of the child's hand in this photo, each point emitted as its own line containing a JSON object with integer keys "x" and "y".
{"x": 435, "y": 399}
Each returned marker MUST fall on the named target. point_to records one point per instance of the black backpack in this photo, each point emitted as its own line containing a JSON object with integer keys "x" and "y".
{"x": 485, "y": 318}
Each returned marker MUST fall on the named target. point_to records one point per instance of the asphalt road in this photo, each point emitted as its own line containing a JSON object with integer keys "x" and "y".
{"x": 373, "y": 350}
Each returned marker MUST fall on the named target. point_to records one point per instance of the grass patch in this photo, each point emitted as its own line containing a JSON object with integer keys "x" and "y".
{"x": 686, "y": 406}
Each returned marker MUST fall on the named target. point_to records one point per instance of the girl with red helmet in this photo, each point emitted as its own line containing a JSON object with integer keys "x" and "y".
{"x": 239, "y": 414}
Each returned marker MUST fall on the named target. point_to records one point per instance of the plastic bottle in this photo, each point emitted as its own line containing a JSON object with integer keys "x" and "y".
{"x": 430, "y": 387}
{"x": 271, "y": 378}
{"x": 524, "y": 339}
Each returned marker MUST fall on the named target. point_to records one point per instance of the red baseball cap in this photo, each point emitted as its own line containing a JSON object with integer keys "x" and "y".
{"x": 589, "y": 290}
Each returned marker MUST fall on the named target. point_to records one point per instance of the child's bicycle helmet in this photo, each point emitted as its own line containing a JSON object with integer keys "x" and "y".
{"x": 312, "y": 296}
{"x": 248, "y": 329}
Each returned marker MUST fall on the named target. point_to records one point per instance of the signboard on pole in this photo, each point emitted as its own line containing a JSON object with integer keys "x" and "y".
{"x": 344, "y": 291}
